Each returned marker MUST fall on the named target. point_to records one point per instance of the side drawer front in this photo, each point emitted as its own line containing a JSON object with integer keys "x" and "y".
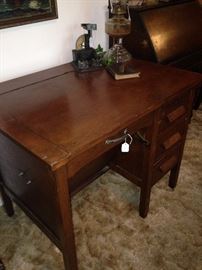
{"x": 174, "y": 110}
{"x": 165, "y": 164}
{"x": 28, "y": 179}
{"x": 172, "y": 137}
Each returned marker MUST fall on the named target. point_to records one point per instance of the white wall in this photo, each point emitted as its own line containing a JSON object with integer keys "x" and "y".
{"x": 34, "y": 47}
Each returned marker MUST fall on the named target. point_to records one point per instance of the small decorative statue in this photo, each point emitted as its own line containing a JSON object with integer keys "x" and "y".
{"x": 86, "y": 58}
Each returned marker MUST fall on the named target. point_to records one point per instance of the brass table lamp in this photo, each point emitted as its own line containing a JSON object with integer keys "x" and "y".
{"x": 117, "y": 27}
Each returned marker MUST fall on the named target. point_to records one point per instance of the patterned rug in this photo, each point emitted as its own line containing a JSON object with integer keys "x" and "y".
{"x": 110, "y": 235}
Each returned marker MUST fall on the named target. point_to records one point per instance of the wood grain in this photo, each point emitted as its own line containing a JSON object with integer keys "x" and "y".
{"x": 53, "y": 128}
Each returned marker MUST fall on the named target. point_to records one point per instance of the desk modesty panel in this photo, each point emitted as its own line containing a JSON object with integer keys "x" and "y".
{"x": 54, "y": 126}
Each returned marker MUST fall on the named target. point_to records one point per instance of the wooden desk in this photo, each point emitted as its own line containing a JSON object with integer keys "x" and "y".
{"x": 53, "y": 129}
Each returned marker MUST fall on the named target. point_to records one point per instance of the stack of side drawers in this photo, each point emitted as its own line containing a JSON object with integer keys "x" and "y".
{"x": 174, "y": 117}
{"x": 146, "y": 165}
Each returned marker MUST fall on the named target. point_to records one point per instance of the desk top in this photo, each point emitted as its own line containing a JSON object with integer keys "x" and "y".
{"x": 57, "y": 114}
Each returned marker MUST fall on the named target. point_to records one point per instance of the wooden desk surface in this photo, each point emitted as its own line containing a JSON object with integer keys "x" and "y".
{"x": 58, "y": 114}
{"x": 64, "y": 118}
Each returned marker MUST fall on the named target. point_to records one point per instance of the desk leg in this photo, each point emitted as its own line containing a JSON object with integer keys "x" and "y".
{"x": 175, "y": 171}
{"x": 146, "y": 182}
{"x": 66, "y": 230}
{"x": 149, "y": 157}
{"x": 174, "y": 176}
{"x": 144, "y": 200}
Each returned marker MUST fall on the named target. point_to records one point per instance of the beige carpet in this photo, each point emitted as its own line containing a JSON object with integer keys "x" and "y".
{"x": 109, "y": 232}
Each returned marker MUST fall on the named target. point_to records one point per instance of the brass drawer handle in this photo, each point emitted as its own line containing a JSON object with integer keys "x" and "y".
{"x": 126, "y": 135}
{"x": 116, "y": 140}
{"x": 120, "y": 139}
{"x": 177, "y": 113}
{"x": 141, "y": 138}
{"x": 21, "y": 174}
{"x": 175, "y": 138}
{"x": 29, "y": 182}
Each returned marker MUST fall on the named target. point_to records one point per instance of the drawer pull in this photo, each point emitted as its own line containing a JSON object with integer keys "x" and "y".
{"x": 29, "y": 182}
{"x": 169, "y": 164}
{"x": 120, "y": 139}
{"x": 174, "y": 115}
{"x": 21, "y": 174}
{"x": 126, "y": 135}
{"x": 116, "y": 140}
{"x": 172, "y": 141}
{"x": 141, "y": 138}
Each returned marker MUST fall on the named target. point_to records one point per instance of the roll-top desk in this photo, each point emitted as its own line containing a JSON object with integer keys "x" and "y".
{"x": 168, "y": 33}
{"x": 54, "y": 126}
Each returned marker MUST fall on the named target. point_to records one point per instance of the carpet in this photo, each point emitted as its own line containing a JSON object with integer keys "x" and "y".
{"x": 110, "y": 235}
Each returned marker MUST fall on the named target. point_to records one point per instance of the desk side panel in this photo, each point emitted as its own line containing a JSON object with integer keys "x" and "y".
{"x": 31, "y": 184}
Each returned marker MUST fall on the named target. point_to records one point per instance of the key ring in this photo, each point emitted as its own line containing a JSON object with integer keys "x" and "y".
{"x": 130, "y": 137}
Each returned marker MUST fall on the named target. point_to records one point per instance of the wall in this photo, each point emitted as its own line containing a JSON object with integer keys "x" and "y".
{"x": 34, "y": 47}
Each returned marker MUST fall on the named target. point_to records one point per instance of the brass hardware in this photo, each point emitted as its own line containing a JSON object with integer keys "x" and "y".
{"x": 29, "y": 182}
{"x": 120, "y": 139}
{"x": 141, "y": 138}
{"x": 126, "y": 135}
{"x": 21, "y": 174}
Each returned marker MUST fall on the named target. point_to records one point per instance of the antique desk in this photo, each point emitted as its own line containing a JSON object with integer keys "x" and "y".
{"x": 54, "y": 126}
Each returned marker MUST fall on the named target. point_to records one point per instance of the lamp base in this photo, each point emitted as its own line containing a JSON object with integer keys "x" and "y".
{"x": 120, "y": 72}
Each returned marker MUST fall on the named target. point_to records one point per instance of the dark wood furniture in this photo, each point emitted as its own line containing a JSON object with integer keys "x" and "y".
{"x": 53, "y": 130}
{"x": 168, "y": 33}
